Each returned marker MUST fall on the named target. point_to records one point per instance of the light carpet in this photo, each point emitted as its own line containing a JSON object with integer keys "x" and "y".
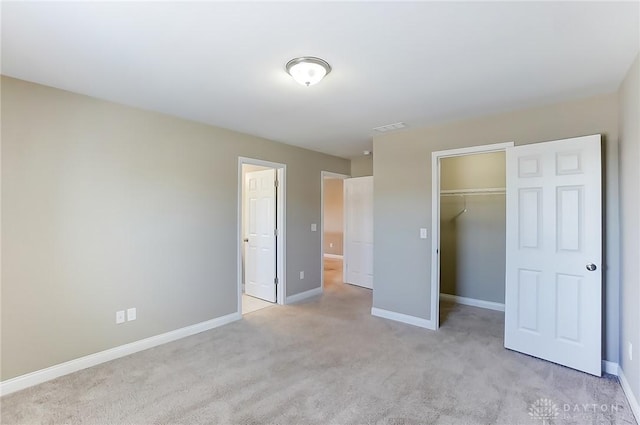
{"x": 326, "y": 361}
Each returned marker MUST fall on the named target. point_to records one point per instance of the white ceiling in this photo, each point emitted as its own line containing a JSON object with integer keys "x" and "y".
{"x": 422, "y": 63}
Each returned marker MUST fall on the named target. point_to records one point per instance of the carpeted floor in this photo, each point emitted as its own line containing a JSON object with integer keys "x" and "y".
{"x": 327, "y": 361}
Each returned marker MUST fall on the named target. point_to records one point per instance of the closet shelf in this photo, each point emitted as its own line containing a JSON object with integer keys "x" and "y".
{"x": 483, "y": 191}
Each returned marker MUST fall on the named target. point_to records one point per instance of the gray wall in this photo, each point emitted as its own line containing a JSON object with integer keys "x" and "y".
{"x": 106, "y": 207}
{"x": 472, "y": 243}
{"x": 362, "y": 166}
{"x": 630, "y": 225}
{"x": 333, "y": 216}
{"x": 402, "y": 195}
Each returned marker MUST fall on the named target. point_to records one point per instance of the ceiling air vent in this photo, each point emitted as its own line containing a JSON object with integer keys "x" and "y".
{"x": 389, "y": 127}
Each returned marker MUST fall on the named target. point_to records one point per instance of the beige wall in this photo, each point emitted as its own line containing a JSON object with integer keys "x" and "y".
{"x": 333, "y": 216}
{"x": 106, "y": 207}
{"x": 630, "y": 225}
{"x": 487, "y": 170}
{"x": 362, "y": 166}
{"x": 472, "y": 242}
{"x": 402, "y": 195}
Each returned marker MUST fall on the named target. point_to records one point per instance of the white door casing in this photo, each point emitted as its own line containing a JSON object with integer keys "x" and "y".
{"x": 260, "y": 260}
{"x": 553, "y": 302}
{"x": 358, "y": 244}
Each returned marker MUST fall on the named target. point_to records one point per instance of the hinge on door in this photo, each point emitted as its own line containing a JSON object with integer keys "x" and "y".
{"x": 275, "y": 182}
{"x": 275, "y": 280}
{"x": 275, "y": 232}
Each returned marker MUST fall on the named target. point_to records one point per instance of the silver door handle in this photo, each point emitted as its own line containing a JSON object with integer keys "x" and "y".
{"x": 591, "y": 267}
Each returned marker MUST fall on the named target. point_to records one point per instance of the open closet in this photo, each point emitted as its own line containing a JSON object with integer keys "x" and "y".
{"x": 472, "y": 229}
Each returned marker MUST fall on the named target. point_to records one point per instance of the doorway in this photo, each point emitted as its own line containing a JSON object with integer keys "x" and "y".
{"x": 332, "y": 228}
{"x": 472, "y": 232}
{"x": 261, "y": 234}
{"x": 452, "y": 195}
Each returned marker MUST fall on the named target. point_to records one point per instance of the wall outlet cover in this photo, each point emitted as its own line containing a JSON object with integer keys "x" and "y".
{"x": 301, "y": 275}
{"x": 120, "y": 317}
{"x": 314, "y": 227}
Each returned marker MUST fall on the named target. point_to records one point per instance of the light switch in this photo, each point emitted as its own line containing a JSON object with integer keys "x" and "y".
{"x": 131, "y": 314}
{"x": 314, "y": 227}
{"x": 423, "y": 233}
{"x": 119, "y": 316}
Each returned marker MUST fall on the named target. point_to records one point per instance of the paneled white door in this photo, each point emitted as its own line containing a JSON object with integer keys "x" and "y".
{"x": 554, "y": 252}
{"x": 260, "y": 259}
{"x": 358, "y": 206}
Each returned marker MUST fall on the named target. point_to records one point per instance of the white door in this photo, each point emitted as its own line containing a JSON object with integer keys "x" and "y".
{"x": 554, "y": 251}
{"x": 358, "y": 206}
{"x": 260, "y": 258}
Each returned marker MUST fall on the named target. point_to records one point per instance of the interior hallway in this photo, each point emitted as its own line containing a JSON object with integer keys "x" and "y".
{"x": 324, "y": 361}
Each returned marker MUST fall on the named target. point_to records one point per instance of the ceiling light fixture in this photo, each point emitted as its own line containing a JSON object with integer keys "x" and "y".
{"x": 308, "y": 70}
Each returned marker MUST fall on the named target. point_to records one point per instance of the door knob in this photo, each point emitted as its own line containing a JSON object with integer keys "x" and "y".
{"x": 245, "y": 240}
{"x": 591, "y": 267}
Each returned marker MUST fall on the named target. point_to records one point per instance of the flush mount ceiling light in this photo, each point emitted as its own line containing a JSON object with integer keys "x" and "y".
{"x": 308, "y": 70}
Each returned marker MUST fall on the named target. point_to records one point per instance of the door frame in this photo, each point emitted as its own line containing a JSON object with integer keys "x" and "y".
{"x": 338, "y": 176}
{"x": 436, "y": 156}
{"x": 281, "y": 204}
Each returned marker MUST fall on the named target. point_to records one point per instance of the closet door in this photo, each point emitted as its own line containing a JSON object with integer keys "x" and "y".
{"x": 553, "y": 302}
{"x": 358, "y": 255}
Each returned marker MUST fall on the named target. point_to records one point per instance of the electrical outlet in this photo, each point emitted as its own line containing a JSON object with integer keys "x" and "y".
{"x": 314, "y": 227}
{"x": 301, "y": 275}
{"x": 423, "y": 233}
{"x": 630, "y": 351}
{"x": 331, "y": 245}
{"x": 119, "y": 317}
{"x": 131, "y": 314}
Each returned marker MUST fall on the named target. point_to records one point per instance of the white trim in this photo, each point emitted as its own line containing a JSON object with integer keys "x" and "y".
{"x": 474, "y": 302}
{"x": 281, "y": 208}
{"x": 633, "y": 401}
{"x": 34, "y": 378}
{"x": 336, "y": 256}
{"x": 404, "y": 318}
{"x": 611, "y": 368}
{"x": 323, "y": 176}
{"x": 435, "y": 216}
{"x": 304, "y": 295}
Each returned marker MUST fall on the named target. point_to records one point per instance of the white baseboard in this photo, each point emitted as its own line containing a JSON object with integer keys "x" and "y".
{"x": 610, "y": 367}
{"x": 404, "y": 318}
{"x": 633, "y": 401}
{"x": 304, "y": 295}
{"x": 473, "y": 302}
{"x": 336, "y": 256}
{"x": 34, "y": 378}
